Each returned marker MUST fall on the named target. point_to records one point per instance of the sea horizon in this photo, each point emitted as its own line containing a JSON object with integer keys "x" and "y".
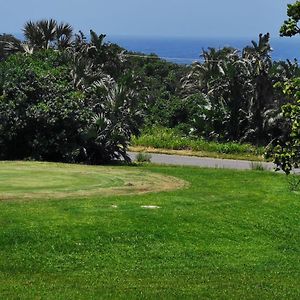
{"x": 187, "y": 49}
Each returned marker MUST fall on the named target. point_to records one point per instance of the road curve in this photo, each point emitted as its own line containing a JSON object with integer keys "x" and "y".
{"x": 181, "y": 160}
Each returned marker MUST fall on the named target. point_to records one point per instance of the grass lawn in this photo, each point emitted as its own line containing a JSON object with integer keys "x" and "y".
{"x": 227, "y": 234}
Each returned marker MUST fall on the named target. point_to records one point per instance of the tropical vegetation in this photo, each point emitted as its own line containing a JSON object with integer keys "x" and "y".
{"x": 286, "y": 152}
{"x": 76, "y": 231}
{"x": 66, "y": 97}
{"x": 63, "y": 101}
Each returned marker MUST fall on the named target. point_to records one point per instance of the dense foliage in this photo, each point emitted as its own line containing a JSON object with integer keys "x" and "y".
{"x": 8, "y": 45}
{"x": 65, "y": 97}
{"x": 244, "y": 105}
{"x": 290, "y": 27}
{"x": 63, "y": 106}
{"x": 286, "y": 151}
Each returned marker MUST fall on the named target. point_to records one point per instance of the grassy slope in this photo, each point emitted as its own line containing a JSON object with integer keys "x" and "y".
{"x": 229, "y": 235}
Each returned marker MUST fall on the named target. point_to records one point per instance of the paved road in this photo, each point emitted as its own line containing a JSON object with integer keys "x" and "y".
{"x": 181, "y": 160}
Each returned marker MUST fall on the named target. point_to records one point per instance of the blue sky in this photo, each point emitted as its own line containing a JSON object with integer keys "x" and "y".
{"x": 189, "y": 18}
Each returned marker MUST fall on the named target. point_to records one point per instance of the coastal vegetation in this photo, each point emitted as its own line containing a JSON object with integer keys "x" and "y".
{"x": 286, "y": 153}
{"x": 74, "y": 229}
{"x": 65, "y": 97}
{"x": 67, "y": 105}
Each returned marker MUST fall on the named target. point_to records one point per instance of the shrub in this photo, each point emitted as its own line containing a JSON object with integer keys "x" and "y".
{"x": 286, "y": 151}
{"x": 160, "y": 137}
{"x": 44, "y": 116}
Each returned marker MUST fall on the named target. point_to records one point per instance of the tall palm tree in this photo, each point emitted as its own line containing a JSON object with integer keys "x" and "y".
{"x": 221, "y": 77}
{"x": 34, "y": 35}
{"x": 46, "y": 34}
{"x": 260, "y": 63}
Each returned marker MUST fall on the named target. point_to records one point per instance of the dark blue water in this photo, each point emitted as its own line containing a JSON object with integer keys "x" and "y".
{"x": 187, "y": 50}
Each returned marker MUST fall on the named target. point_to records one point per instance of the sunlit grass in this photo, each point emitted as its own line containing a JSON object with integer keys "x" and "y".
{"x": 228, "y": 235}
{"x": 24, "y": 180}
{"x": 168, "y": 141}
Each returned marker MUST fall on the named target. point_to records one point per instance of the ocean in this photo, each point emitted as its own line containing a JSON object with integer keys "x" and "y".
{"x": 188, "y": 50}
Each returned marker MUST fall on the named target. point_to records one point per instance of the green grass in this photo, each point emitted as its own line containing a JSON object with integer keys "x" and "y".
{"x": 228, "y": 235}
{"x": 23, "y": 180}
{"x": 166, "y": 138}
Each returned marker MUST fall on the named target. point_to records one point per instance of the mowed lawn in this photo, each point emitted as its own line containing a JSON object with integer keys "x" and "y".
{"x": 225, "y": 235}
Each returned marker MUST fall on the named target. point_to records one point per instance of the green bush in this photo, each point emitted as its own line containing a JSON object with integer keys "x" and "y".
{"x": 45, "y": 116}
{"x": 286, "y": 151}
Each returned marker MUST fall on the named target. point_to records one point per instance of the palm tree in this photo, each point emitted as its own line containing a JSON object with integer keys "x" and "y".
{"x": 34, "y": 35}
{"x": 259, "y": 63}
{"x": 117, "y": 116}
{"x": 46, "y": 34}
{"x": 93, "y": 60}
{"x": 222, "y": 78}
{"x": 64, "y": 34}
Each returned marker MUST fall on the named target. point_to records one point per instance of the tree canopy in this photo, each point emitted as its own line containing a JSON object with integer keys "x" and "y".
{"x": 291, "y": 27}
{"x": 286, "y": 152}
